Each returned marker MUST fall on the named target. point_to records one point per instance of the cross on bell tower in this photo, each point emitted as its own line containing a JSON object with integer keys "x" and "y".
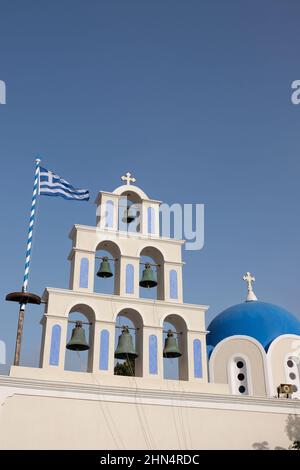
{"x": 128, "y": 177}
{"x": 249, "y": 279}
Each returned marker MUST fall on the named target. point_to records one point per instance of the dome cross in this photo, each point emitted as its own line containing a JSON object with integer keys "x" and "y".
{"x": 249, "y": 279}
{"x": 128, "y": 177}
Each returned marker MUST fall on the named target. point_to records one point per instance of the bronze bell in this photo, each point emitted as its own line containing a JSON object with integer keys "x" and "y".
{"x": 148, "y": 278}
{"x": 104, "y": 269}
{"x": 125, "y": 349}
{"x": 171, "y": 347}
{"x": 128, "y": 215}
{"x": 78, "y": 341}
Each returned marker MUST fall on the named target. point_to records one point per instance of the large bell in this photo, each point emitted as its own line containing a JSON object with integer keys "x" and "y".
{"x": 125, "y": 349}
{"x": 128, "y": 215}
{"x": 171, "y": 347}
{"x": 78, "y": 341}
{"x": 104, "y": 269}
{"x": 148, "y": 278}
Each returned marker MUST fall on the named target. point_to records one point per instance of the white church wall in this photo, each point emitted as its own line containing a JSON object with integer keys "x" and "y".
{"x": 254, "y": 357}
{"x": 60, "y": 418}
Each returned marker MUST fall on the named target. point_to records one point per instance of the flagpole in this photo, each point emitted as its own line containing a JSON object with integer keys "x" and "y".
{"x": 27, "y": 260}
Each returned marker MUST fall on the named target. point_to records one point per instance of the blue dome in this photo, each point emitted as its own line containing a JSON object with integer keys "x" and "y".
{"x": 260, "y": 320}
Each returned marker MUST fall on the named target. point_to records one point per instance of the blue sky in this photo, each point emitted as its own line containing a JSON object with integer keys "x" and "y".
{"x": 192, "y": 97}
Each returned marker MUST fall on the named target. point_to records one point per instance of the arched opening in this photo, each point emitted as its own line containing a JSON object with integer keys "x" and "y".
{"x": 130, "y": 212}
{"x": 152, "y": 267}
{"x": 127, "y": 364}
{"x": 292, "y": 372}
{"x": 175, "y": 368}
{"x": 107, "y": 272}
{"x": 238, "y": 372}
{"x": 80, "y": 359}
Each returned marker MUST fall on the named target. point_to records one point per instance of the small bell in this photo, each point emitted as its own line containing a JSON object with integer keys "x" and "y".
{"x": 104, "y": 269}
{"x": 148, "y": 278}
{"x": 78, "y": 341}
{"x": 128, "y": 216}
{"x": 171, "y": 347}
{"x": 125, "y": 349}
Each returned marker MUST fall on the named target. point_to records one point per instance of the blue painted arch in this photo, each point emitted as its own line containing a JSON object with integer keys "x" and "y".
{"x": 109, "y": 213}
{"x": 173, "y": 284}
{"x": 84, "y": 273}
{"x": 129, "y": 279}
{"x": 55, "y": 345}
{"x": 104, "y": 350}
{"x": 197, "y": 359}
{"x": 153, "y": 354}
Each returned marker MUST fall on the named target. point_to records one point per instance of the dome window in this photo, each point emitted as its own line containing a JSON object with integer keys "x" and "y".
{"x": 292, "y": 373}
{"x": 238, "y": 376}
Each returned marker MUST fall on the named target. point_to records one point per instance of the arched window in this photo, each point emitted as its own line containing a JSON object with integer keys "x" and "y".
{"x": 107, "y": 268}
{"x": 173, "y": 284}
{"x": 104, "y": 349}
{"x": 175, "y": 365}
{"x": 153, "y": 354}
{"x": 80, "y": 360}
{"x": 109, "y": 214}
{"x": 84, "y": 273}
{"x": 292, "y": 374}
{"x": 130, "y": 212}
{"x": 55, "y": 345}
{"x": 155, "y": 272}
{"x": 129, "y": 344}
{"x": 239, "y": 376}
{"x": 197, "y": 359}
{"x": 129, "y": 279}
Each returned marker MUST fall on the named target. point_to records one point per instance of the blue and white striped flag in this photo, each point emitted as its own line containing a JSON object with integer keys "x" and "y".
{"x": 53, "y": 185}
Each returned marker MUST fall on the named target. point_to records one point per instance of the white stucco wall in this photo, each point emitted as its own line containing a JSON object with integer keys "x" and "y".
{"x": 48, "y": 415}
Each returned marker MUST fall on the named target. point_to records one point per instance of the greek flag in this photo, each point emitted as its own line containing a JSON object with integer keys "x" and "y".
{"x": 51, "y": 184}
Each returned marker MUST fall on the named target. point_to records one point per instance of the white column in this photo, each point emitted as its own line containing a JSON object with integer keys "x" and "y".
{"x": 191, "y": 336}
{"x": 110, "y": 327}
{"x": 148, "y": 331}
{"x": 75, "y": 257}
{"x": 178, "y": 268}
{"x": 125, "y": 260}
{"x": 48, "y": 323}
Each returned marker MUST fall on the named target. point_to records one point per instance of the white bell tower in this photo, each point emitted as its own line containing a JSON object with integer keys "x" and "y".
{"x": 126, "y": 245}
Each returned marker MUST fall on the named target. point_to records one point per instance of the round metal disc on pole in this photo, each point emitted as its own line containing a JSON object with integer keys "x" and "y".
{"x": 24, "y": 298}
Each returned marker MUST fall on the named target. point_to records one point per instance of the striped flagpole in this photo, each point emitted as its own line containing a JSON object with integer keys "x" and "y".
{"x": 27, "y": 261}
{"x": 31, "y": 223}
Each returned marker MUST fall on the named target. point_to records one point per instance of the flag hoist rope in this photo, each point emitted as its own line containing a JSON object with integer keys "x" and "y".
{"x": 27, "y": 261}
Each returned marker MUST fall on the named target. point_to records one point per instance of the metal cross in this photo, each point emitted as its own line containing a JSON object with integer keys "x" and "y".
{"x": 249, "y": 279}
{"x": 128, "y": 178}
